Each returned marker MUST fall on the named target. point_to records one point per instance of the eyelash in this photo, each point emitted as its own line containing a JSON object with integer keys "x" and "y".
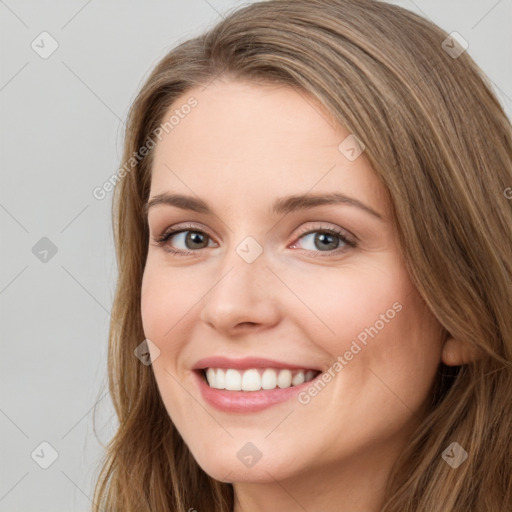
{"x": 161, "y": 241}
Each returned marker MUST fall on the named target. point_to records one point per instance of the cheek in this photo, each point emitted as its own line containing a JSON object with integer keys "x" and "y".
{"x": 153, "y": 304}
{"x": 400, "y": 351}
{"x": 388, "y": 341}
{"x": 163, "y": 312}
{"x": 350, "y": 302}
{"x": 164, "y": 300}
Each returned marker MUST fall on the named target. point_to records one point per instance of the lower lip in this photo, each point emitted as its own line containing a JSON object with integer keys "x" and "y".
{"x": 246, "y": 401}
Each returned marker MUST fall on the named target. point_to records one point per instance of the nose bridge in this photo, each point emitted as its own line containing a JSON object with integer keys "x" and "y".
{"x": 239, "y": 293}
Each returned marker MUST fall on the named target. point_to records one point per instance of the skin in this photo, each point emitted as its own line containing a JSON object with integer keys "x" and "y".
{"x": 240, "y": 148}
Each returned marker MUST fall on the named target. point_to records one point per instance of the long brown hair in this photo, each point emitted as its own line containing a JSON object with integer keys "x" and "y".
{"x": 438, "y": 139}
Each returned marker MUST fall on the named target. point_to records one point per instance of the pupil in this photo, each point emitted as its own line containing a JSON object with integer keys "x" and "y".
{"x": 325, "y": 239}
{"x": 195, "y": 238}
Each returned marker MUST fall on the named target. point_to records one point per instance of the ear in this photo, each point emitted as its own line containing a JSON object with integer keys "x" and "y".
{"x": 457, "y": 352}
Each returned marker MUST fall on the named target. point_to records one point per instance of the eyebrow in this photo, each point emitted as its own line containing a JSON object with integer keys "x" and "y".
{"x": 281, "y": 206}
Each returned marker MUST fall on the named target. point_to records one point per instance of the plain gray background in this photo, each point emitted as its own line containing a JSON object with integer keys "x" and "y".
{"x": 61, "y": 133}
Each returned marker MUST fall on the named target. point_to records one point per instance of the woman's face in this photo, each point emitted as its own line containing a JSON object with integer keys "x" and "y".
{"x": 274, "y": 279}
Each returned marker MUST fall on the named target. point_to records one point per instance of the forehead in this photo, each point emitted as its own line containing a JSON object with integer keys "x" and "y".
{"x": 266, "y": 140}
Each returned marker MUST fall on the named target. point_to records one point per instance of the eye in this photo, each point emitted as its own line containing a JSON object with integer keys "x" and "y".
{"x": 326, "y": 240}
{"x": 190, "y": 237}
{"x": 315, "y": 240}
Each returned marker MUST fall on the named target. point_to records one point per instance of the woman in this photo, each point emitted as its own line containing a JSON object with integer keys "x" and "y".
{"x": 314, "y": 243}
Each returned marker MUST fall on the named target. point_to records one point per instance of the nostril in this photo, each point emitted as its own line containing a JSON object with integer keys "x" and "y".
{"x": 246, "y": 324}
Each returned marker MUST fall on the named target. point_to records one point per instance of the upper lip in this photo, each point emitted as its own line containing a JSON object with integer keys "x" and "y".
{"x": 247, "y": 363}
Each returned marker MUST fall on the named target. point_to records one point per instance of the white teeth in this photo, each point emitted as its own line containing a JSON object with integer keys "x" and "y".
{"x": 233, "y": 380}
{"x": 269, "y": 379}
{"x": 251, "y": 381}
{"x": 284, "y": 379}
{"x": 211, "y": 376}
{"x": 256, "y": 379}
{"x": 220, "y": 378}
{"x": 298, "y": 379}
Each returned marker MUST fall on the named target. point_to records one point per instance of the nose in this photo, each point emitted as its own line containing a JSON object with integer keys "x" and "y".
{"x": 243, "y": 296}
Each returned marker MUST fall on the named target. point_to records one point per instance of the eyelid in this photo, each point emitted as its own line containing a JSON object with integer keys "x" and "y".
{"x": 335, "y": 230}
{"x": 348, "y": 239}
{"x": 177, "y": 229}
{"x": 185, "y": 226}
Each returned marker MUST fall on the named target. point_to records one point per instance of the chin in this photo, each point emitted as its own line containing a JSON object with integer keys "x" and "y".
{"x": 227, "y": 467}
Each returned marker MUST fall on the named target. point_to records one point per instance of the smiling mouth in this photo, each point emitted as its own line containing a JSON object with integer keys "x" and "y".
{"x": 256, "y": 379}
